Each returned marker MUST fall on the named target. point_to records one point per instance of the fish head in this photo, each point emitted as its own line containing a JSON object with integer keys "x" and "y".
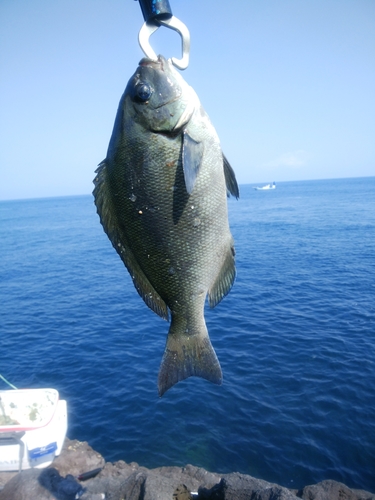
{"x": 159, "y": 98}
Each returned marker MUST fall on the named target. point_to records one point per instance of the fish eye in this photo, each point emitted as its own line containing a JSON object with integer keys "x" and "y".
{"x": 142, "y": 91}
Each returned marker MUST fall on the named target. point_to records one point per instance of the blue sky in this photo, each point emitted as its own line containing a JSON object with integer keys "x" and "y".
{"x": 289, "y": 86}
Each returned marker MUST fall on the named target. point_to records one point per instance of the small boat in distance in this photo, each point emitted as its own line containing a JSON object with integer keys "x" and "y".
{"x": 266, "y": 187}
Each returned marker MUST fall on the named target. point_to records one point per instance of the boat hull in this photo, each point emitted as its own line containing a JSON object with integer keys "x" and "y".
{"x": 34, "y": 428}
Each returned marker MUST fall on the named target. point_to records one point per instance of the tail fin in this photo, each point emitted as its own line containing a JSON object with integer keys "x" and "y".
{"x": 186, "y": 356}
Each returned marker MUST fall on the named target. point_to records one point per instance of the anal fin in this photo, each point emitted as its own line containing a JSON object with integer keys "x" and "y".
{"x": 224, "y": 280}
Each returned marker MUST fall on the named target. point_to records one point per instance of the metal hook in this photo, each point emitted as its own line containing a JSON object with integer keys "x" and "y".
{"x": 173, "y": 23}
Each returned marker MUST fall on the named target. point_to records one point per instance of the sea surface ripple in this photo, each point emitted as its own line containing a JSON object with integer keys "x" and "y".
{"x": 295, "y": 337}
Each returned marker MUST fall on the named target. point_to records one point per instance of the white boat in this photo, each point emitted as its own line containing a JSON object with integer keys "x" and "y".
{"x": 266, "y": 187}
{"x": 33, "y": 425}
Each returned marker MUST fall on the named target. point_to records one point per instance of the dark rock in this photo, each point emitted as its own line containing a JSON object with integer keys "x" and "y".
{"x": 182, "y": 493}
{"x": 240, "y": 486}
{"x": 122, "y": 481}
{"x": 214, "y": 493}
{"x": 274, "y": 493}
{"x": 364, "y": 495}
{"x": 332, "y": 490}
{"x": 191, "y": 476}
{"x": 25, "y": 486}
{"x": 77, "y": 457}
{"x": 130, "y": 489}
{"x": 237, "y": 486}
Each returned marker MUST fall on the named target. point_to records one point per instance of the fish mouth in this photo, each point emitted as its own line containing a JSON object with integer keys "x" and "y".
{"x": 167, "y": 102}
{"x": 160, "y": 63}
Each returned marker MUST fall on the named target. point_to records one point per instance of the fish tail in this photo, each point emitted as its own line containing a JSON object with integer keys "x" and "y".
{"x": 186, "y": 356}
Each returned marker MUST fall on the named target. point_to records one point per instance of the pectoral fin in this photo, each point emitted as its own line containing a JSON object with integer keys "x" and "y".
{"x": 192, "y": 152}
{"x": 230, "y": 179}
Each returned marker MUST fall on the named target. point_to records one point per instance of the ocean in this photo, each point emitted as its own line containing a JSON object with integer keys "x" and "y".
{"x": 295, "y": 337}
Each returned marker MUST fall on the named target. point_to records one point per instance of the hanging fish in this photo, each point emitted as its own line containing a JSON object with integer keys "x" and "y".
{"x": 161, "y": 194}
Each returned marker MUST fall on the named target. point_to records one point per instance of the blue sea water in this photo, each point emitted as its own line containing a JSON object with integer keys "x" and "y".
{"x": 295, "y": 337}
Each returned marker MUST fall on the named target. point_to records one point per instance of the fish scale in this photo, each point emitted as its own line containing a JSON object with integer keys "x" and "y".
{"x": 161, "y": 194}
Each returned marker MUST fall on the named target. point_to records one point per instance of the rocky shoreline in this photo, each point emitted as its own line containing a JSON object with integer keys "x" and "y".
{"x": 122, "y": 481}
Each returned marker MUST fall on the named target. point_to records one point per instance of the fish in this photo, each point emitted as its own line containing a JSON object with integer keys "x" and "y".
{"x": 161, "y": 195}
